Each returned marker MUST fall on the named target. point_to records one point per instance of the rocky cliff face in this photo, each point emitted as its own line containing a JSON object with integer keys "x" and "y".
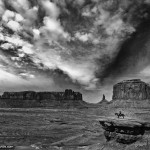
{"x": 129, "y": 97}
{"x": 131, "y": 89}
{"x": 31, "y": 95}
{"x": 123, "y": 131}
{"x": 65, "y": 99}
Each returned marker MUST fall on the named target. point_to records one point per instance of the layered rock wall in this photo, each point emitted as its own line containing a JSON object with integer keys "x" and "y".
{"x": 31, "y": 99}
{"x": 31, "y": 95}
{"x": 131, "y": 89}
{"x": 124, "y": 131}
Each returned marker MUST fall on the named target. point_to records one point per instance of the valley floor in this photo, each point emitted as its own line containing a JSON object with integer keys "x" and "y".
{"x": 55, "y": 129}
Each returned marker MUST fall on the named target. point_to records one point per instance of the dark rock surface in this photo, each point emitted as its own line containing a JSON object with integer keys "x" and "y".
{"x": 131, "y": 89}
{"x": 104, "y": 100}
{"x": 123, "y": 130}
{"x": 65, "y": 99}
{"x": 32, "y": 95}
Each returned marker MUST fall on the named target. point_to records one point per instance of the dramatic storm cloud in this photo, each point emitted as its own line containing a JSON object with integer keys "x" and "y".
{"x": 87, "y": 45}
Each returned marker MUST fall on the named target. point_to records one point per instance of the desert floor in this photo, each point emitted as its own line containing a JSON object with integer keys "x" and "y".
{"x": 55, "y": 129}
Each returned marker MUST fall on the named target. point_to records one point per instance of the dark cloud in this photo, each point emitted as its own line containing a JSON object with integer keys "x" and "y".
{"x": 133, "y": 55}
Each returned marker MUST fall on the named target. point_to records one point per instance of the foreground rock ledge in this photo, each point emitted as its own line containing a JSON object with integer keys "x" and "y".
{"x": 124, "y": 131}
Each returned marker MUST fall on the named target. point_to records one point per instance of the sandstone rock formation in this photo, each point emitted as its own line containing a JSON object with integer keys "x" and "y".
{"x": 103, "y": 101}
{"x": 103, "y": 98}
{"x": 65, "y": 99}
{"x": 131, "y": 89}
{"x": 129, "y": 97}
{"x": 123, "y": 131}
{"x": 31, "y": 95}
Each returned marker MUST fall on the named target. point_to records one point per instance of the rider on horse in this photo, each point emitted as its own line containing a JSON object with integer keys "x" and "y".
{"x": 120, "y": 114}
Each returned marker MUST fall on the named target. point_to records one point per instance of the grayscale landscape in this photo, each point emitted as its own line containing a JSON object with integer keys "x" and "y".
{"x": 90, "y": 127}
{"x": 75, "y": 74}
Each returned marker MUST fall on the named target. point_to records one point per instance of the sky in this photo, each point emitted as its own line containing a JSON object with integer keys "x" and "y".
{"x": 84, "y": 45}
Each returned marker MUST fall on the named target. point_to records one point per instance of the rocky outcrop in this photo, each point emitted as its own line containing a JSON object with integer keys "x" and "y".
{"x": 104, "y": 101}
{"x": 131, "y": 89}
{"x": 65, "y": 99}
{"x": 103, "y": 98}
{"x": 31, "y": 95}
{"x": 129, "y": 97}
{"x": 123, "y": 131}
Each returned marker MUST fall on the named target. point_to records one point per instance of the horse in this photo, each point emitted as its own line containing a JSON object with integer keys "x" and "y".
{"x": 120, "y": 114}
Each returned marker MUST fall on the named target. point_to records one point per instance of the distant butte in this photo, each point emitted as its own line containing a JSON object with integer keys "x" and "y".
{"x": 131, "y": 89}
{"x": 131, "y": 93}
{"x": 25, "y": 99}
{"x": 32, "y": 95}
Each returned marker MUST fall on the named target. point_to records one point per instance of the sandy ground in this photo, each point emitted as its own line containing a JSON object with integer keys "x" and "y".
{"x": 52, "y": 129}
